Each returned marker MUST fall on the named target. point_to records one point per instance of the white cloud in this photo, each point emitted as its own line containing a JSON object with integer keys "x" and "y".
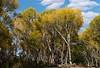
{"x": 87, "y": 17}
{"x": 85, "y": 5}
{"x": 75, "y": 1}
{"x": 52, "y": 4}
{"x": 46, "y": 2}
{"x": 82, "y": 4}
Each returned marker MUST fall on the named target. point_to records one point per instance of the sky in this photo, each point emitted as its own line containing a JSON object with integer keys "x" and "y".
{"x": 89, "y": 8}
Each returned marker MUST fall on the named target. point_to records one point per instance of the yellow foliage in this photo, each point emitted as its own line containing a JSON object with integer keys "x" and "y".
{"x": 62, "y": 16}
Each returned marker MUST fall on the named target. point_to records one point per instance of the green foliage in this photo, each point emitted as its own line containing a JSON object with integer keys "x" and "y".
{"x": 28, "y": 14}
{"x": 4, "y": 37}
{"x": 95, "y": 27}
{"x": 12, "y": 4}
{"x": 78, "y": 54}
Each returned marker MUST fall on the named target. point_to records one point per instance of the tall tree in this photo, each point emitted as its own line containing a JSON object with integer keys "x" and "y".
{"x": 6, "y": 10}
{"x": 91, "y": 39}
{"x": 63, "y": 23}
{"x": 24, "y": 28}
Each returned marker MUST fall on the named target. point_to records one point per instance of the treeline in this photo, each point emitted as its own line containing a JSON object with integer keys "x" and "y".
{"x": 32, "y": 39}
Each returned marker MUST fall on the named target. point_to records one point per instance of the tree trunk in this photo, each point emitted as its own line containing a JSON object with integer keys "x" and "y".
{"x": 66, "y": 57}
{"x": 69, "y": 50}
{"x": 68, "y": 44}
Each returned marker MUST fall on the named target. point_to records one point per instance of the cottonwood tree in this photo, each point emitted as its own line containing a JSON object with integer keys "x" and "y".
{"x": 43, "y": 37}
{"x": 5, "y": 46}
{"x": 24, "y": 28}
{"x": 6, "y": 9}
{"x": 91, "y": 38}
{"x": 64, "y": 24}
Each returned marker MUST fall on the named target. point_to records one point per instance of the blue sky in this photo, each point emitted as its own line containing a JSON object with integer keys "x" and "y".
{"x": 37, "y": 4}
{"x": 24, "y": 4}
{"x": 89, "y": 8}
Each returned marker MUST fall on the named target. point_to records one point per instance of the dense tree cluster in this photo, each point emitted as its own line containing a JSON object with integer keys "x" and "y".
{"x": 32, "y": 39}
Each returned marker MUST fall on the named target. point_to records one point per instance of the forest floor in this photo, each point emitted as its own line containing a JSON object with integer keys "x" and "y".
{"x": 70, "y": 67}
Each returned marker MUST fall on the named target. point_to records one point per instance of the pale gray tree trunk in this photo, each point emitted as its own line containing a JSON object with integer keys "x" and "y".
{"x": 69, "y": 49}
{"x": 67, "y": 42}
{"x": 62, "y": 54}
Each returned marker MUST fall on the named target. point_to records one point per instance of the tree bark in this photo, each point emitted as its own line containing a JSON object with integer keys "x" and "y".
{"x": 68, "y": 44}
